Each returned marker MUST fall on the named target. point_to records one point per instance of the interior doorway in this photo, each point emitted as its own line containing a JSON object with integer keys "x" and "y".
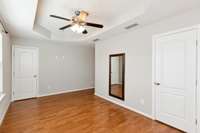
{"x": 175, "y": 79}
{"x": 25, "y": 72}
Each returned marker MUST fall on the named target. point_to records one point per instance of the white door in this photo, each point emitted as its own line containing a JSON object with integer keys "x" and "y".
{"x": 25, "y": 73}
{"x": 175, "y": 80}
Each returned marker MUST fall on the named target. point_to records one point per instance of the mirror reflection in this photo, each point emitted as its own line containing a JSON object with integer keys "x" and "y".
{"x": 116, "y": 80}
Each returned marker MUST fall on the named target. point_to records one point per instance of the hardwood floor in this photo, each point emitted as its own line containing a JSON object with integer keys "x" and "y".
{"x": 77, "y": 112}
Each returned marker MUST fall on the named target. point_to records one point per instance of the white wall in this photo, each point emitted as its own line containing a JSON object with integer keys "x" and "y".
{"x": 7, "y": 78}
{"x": 137, "y": 45}
{"x": 62, "y": 67}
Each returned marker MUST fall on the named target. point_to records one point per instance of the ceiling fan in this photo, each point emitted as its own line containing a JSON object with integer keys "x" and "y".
{"x": 78, "y": 22}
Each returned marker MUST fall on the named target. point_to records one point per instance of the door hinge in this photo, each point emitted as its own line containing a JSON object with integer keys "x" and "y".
{"x": 196, "y": 122}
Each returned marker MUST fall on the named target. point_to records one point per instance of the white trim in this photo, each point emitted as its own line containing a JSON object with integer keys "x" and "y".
{"x": 13, "y": 49}
{"x": 13, "y": 65}
{"x": 153, "y": 78}
{"x": 154, "y": 38}
{"x": 176, "y": 31}
{"x": 5, "y": 109}
{"x": 198, "y": 81}
{"x": 20, "y": 46}
{"x": 125, "y": 106}
{"x": 65, "y": 91}
{"x": 4, "y": 113}
{"x": 2, "y": 95}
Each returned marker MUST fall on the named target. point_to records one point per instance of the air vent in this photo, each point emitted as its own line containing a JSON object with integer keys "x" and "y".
{"x": 96, "y": 40}
{"x": 131, "y": 26}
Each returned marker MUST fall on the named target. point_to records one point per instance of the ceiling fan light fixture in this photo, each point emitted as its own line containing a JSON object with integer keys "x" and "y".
{"x": 81, "y": 29}
{"x": 74, "y": 27}
{"x": 78, "y": 22}
{"x": 77, "y": 28}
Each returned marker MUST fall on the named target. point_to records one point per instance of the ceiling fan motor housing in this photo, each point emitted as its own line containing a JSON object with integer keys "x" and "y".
{"x": 77, "y": 13}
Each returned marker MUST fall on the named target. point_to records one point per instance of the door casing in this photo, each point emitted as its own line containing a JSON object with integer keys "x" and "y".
{"x": 154, "y": 38}
{"x": 198, "y": 80}
{"x": 13, "y": 68}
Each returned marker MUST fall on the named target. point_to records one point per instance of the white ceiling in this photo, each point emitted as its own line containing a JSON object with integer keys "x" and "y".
{"x": 30, "y": 18}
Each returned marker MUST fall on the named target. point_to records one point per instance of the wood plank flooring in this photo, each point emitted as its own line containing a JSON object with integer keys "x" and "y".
{"x": 77, "y": 112}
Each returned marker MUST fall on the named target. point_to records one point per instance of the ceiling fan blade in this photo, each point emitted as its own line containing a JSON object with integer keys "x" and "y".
{"x": 85, "y": 32}
{"x": 94, "y": 25}
{"x": 54, "y": 16}
{"x": 65, "y": 27}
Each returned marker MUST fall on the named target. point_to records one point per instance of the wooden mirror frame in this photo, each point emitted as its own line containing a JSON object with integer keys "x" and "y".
{"x": 123, "y": 75}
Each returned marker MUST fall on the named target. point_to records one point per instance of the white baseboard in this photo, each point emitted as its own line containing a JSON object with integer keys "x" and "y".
{"x": 125, "y": 106}
{"x": 66, "y": 91}
{"x": 4, "y": 111}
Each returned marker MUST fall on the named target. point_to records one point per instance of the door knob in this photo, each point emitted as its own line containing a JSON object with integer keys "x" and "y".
{"x": 35, "y": 76}
{"x": 155, "y": 83}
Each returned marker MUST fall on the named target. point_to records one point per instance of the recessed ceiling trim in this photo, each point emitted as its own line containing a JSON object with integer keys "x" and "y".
{"x": 131, "y": 26}
{"x": 96, "y": 40}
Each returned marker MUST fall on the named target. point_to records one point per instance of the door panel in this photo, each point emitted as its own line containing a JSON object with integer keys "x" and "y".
{"x": 176, "y": 73}
{"x": 173, "y": 69}
{"x": 178, "y": 101}
{"x": 25, "y": 69}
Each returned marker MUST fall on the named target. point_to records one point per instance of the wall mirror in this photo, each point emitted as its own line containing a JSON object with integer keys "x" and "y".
{"x": 116, "y": 75}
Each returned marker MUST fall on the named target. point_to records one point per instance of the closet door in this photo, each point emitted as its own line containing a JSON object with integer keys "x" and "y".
{"x": 176, "y": 80}
{"x": 25, "y": 73}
